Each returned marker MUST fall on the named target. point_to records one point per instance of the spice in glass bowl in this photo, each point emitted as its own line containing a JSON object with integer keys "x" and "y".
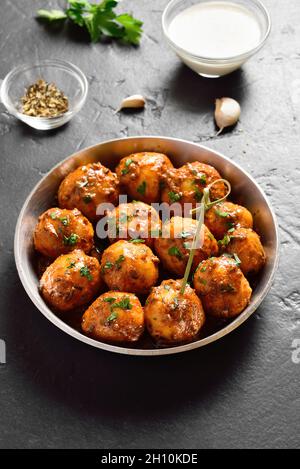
{"x": 44, "y": 99}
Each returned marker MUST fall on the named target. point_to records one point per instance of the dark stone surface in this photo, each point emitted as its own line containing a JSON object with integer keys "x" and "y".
{"x": 240, "y": 392}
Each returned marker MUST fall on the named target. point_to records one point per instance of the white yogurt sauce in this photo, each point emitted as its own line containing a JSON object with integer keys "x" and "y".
{"x": 216, "y": 29}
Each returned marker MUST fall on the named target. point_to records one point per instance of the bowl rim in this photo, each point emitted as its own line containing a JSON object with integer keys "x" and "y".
{"x": 218, "y": 60}
{"x": 51, "y": 63}
{"x": 46, "y": 311}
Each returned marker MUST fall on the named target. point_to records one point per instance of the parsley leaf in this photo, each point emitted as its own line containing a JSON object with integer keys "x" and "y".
{"x": 99, "y": 19}
{"x": 51, "y": 15}
{"x": 132, "y": 28}
{"x": 137, "y": 241}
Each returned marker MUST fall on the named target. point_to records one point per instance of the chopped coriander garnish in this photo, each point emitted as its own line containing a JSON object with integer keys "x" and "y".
{"x": 174, "y": 251}
{"x": 174, "y": 196}
{"x": 112, "y": 317}
{"x": 203, "y": 179}
{"x": 203, "y": 281}
{"x": 221, "y": 214}
{"x": 87, "y": 199}
{"x": 64, "y": 220}
{"x": 231, "y": 230}
{"x": 198, "y": 194}
{"x": 85, "y": 272}
{"x": 71, "y": 265}
{"x": 120, "y": 259}
{"x": 142, "y": 188}
{"x": 237, "y": 259}
{"x": 225, "y": 241}
{"x": 127, "y": 164}
{"x": 137, "y": 241}
{"x": 53, "y": 215}
{"x": 107, "y": 265}
{"x": 109, "y": 299}
{"x": 203, "y": 269}
{"x": 124, "y": 303}
{"x": 71, "y": 240}
{"x": 234, "y": 257}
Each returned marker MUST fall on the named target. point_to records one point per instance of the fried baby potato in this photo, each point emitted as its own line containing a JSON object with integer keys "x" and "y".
{"x": 71, "y": 281}
{"x": 60, "y": 231}
{"x": 140, "y": 175}
{"x": 185, "y": 185}
{"x": 173, "y": 247}
{"x": 222, "y": 287}
{"x": 246, "y": 244}
{"x": 135, "y": 220}
{"x": 129, "y": 267}
{"x": 87, "y": 187}
{"x": 114, "y": 317}
{"x": 226, "y": 216}
{"x": 172, "y": 317}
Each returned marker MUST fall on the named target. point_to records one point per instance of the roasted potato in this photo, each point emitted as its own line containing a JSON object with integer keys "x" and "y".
{"x": 60, "y": 231}
{"x": 71, "y": 281}
{"x": 185, "y": 185}
{"x": 140, "y": 175}
{"x": 222, "y": 287}
{"x": 172, "y": 317}
{"x": 114, "y": 317}
{"x": 173, "y": 246}
{"x": 129, "y": 267}
{"x": 134, "y": 220}
{"x": 246, "y": 244}
{"x": 87, "y": 187}
{"x": 226, "y": 216}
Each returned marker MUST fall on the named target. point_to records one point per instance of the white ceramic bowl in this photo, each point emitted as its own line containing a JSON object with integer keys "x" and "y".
{"x": 215, "y": 67}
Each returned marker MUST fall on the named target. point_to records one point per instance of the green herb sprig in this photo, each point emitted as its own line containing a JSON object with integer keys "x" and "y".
{"x": 99, "y": 19}
{"x": 198, "y": 240}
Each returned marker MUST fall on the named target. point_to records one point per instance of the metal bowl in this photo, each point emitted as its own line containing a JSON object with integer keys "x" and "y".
{"x": 245, "y": 192}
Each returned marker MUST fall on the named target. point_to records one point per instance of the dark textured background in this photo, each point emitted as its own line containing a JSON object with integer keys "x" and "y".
{"x": 240, "y": 392}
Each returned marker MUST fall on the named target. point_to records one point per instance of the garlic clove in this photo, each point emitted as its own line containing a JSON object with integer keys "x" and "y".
{"x": 135, "y": 101}
{"x": 227, "y": 113}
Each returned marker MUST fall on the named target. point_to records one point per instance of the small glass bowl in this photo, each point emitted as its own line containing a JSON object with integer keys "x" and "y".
{"x": 208, "y": 66}
{"x": 66, "y": 76}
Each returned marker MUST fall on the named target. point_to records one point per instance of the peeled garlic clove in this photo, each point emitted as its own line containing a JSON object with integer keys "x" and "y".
{"x": 134, "y": 101}
{"x": 227, "y": 113}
